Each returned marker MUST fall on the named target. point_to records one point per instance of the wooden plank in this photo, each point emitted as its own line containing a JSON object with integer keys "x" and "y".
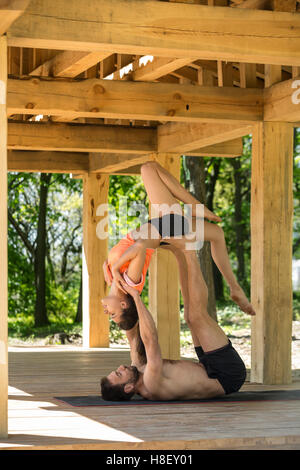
{"x": 225, "y": 74}
{"x": 231, "y": 148}
{"x": 155, "y": 28}
{"x": 36, "y": 419}
{"x": 186, "y": 137}
{"x": 80, "y": 138}
{"x": 69, "y": 64}
{"x": 48, "y": 162}
{"x": 95, "y": 321}
{"x": 282, "y": 101}
{"x": 254, "y": 4}
{"x": 273, "y": 74}
{"x": 271, "y": 252}
{"x": 92, "y": 98}
{"x": 10, "y": 10}
{"x": 253, "y": 443}
{"x": 284, "y": 5}
{"x": 104, "y": 163}
{"x": 3, "y": 240}
{"x": 159, "y": 67}
{"x": 164, "y": 285}
{"x": 248, "y": 77}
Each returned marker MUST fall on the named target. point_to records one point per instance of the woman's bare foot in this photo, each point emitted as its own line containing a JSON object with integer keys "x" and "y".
{"x": 211, "y": 216}
{"x": 238, "y": 296}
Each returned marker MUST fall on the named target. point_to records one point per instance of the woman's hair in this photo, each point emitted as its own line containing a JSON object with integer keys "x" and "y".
{"x": 111, "y": 392}
{"x": 129, "y": 319}
{"x": 129, "y": 315}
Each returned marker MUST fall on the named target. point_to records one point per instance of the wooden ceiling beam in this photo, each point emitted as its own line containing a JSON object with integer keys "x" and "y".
{"x": 155, "y": 28}
{"x": 10, "y": 10}
{"x": 47, "y": 161}
{"x": 112, "y": 163}
{"x": 282, "y": 101}
{"x": 115, "y": 99}
{"x": 69, "y": 64}
{"x": 80, "y": 138}
{"x": 186, "y": 137}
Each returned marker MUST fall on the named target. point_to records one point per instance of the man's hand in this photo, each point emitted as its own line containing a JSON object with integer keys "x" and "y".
{"x": 130, "y": 290}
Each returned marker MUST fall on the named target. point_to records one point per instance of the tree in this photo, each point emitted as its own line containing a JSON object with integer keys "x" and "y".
{"x": 195, "y": 184}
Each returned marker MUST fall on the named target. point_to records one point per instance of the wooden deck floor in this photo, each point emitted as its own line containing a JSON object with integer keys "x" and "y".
{"x": 37, "y": 375}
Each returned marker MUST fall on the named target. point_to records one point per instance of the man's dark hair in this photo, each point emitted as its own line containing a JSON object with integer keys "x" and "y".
{"x": 128, "y": 319}
{"x": 111, "y": 392}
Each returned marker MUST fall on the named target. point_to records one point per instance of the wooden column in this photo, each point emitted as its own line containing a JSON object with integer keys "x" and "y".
{"x": 164, "y": 285}
{"x": 95, "y": 321}
{"x": 3, "y": 240}
{"x": 271, "y": 252}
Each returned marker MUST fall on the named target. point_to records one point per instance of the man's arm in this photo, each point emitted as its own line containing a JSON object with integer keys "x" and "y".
{"x": 153, "y": 370}
{"x": 138, "y": 359}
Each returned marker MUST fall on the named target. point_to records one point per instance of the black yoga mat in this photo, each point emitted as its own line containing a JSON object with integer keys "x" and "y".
{"x": 270, "y": 395}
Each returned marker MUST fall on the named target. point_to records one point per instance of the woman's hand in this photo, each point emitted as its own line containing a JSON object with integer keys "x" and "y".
{"x": 130, "y": 290}
{"x": 106, "y": 276}
{"x": 118, "y": 279}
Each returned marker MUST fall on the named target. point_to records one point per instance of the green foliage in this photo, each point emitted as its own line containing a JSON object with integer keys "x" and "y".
{"x": 64, "y": 239}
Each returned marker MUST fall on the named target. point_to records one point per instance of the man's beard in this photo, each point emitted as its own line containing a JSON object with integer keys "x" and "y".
{"x": 136, "y": 374}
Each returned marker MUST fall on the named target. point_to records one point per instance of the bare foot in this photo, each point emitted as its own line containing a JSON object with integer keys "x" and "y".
{"x": 238, "y": 296}
{"x": 211, "y": 216}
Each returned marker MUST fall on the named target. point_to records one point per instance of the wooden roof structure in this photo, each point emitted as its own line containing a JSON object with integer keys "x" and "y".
{"x": 98, "y": 87}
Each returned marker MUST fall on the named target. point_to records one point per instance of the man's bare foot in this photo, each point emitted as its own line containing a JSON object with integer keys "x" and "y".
{"x": 238, "y": 296}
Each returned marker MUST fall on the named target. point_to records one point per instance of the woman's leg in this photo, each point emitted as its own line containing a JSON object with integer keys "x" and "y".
{"x": 180, "y": 193}
{"x": 157, "y": 191}
{"x": 215, "y": 235}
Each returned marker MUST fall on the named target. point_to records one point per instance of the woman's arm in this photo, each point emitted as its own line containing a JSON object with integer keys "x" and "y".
{"x": 136, "y": 255}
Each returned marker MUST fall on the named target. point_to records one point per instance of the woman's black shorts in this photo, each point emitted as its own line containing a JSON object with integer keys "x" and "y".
{"x": 170, "y": 225}
{"x": 224, "y": 364}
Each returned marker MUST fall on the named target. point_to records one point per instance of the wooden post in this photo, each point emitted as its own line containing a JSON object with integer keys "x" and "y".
{"x": 164, "y": 285}
{"x": 271, "y": 252}
{"x": 95, "y": 321}
{"x": 3, "y": 241}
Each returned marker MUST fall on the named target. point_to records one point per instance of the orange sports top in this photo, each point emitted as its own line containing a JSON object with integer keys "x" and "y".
{"x": 115, "y": 253}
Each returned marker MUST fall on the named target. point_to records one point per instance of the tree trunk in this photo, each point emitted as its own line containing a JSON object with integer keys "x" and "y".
{"x": 238, "y": 219}
{"x": 40, "y": 313}
{"x": 195, "y": 184}
{"x": 78, "y": 318}
{"x": 218, "y": 278}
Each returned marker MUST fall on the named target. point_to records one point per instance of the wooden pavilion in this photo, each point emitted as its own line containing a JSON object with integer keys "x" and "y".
{"x": 79, "y": 95}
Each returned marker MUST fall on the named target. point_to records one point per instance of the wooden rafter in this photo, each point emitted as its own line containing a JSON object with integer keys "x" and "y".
{"x": 69, "y": 64}
{"x": 50, "y": 162}
{"x": 155, "y": 28}
{"x": 185, "y": 137}
{"x": 134, "y": 100}
{"x": 10, "y": 10}
{"x": 80, "y": 138}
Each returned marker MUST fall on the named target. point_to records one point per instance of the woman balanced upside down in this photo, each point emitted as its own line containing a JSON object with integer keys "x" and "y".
{"x": 129, "y": 259}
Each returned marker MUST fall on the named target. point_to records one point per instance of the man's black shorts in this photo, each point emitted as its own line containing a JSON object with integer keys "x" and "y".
{"x": 224, "y": 364}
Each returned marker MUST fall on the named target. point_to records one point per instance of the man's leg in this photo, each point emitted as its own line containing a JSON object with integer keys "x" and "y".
{"x": 205, "y": 331}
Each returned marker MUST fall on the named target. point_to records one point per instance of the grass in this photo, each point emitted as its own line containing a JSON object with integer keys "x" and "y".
{"x": 230, "y": 318}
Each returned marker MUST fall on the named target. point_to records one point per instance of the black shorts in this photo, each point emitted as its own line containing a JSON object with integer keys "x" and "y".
{"x": 170, "y": 225}
{"x": 224, "y": 364}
